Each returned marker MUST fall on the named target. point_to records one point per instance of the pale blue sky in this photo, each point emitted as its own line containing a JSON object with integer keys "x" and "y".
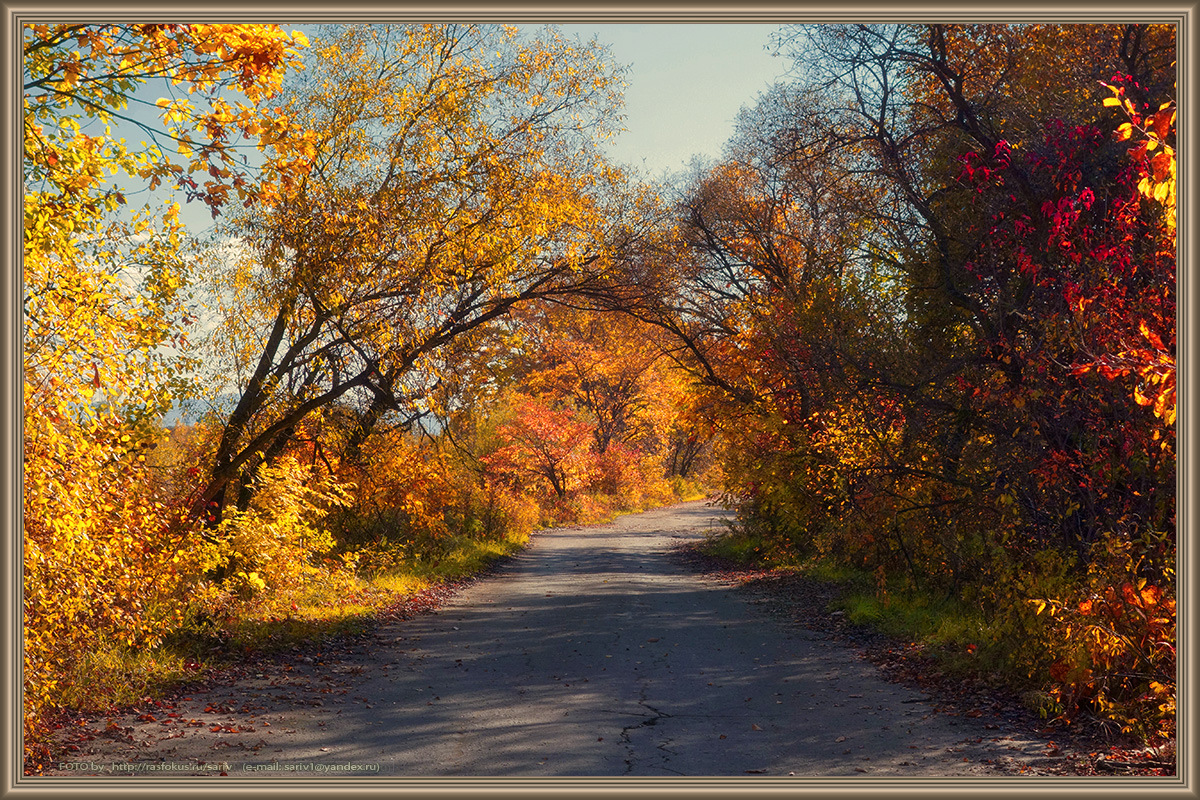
{"x": 686, "y": 85}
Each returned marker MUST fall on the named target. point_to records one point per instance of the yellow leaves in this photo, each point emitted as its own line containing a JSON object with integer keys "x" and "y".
{"x": 249, "y": 58}
{"x": 1158, "y": 171}
{"x": 85, "y": 328}
{"x": 71, "y": 73}
{"x": 95, "y": 549}
{"x": 1118, "y": 100}
{"x": 174, "y": 111}
{"x": 1151, "y": 337}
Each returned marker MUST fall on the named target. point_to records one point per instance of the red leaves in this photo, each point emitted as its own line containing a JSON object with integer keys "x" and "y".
{"x": 547, "y": 442}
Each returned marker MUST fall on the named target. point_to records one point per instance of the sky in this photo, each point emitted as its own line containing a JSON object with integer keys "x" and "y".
{"x": 686, "y": 85}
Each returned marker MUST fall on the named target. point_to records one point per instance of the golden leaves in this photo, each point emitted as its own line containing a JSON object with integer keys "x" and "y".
{"x": 104, "y": 325}
{"x": 1155, "y": 367}
{"x": 1157, "y": 131}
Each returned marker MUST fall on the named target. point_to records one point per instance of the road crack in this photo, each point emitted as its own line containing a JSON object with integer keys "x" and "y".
{"x": 648, "y": 721}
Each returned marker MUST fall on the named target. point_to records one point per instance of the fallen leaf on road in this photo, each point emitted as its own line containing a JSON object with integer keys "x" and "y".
{"x": 840, "y": 739}
{"x": 755, "y": 728}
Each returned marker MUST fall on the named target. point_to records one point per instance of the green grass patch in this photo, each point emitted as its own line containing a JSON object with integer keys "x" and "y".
{"x": 115, "y": 676}
{"x": 956, "y": 635}
{"x": 752, "y": 549}
{"x": 744, "y": 548}
{"x": 453, "y": 560}
{"x": 946, "y": 628}
{"x": 937, "y": 622}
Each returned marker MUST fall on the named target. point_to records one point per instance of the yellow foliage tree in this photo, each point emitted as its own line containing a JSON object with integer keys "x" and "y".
{"x": 106, "y": 318}
{"x": 457, "y": 175}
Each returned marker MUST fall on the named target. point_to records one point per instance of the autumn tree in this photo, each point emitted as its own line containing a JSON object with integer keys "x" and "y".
{"x": 769, "y": 305}
{"x": 1010, "y": 199}
{"x": 545, "y": 443}
{"x": 105, "y": 311}
{"x": 456, "y": 176}
{"x": 607, "y": 365}
{"x": 986, "y": 407}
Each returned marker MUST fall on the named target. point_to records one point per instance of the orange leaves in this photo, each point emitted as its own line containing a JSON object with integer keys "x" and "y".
{"x": 252, "y": 54}
{"x": 1152, "y": 337}
{"x": 1114, "y": 601}
{"x": 1157, "y": 134}
{"x": 1158, "y": 388}
{"x": 105, "y": 294}
{"x": 1119, "y": 659}
{"x": 402, "y": 477}
{"x": 544, "y": 442}
{"x": 1155, "y": 370}
{"x": 1145, "y": 598}
{"x": 64, "y": 84}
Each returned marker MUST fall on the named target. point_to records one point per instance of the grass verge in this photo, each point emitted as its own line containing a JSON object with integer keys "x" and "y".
{"x": 329, "y": 604}
{"x": 944, "y": 629}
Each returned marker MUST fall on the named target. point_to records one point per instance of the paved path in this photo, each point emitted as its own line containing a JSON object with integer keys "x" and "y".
{"x": 592, "y": 653}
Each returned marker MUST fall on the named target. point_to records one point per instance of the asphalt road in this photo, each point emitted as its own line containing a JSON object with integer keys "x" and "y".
{"x": 593, "y": 653}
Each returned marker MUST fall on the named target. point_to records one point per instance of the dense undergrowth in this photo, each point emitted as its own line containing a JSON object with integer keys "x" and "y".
{"x": 310, "y": 559}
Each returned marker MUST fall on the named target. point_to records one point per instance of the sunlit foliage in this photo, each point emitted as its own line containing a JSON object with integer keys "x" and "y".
{"x": 106, "y": 318}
